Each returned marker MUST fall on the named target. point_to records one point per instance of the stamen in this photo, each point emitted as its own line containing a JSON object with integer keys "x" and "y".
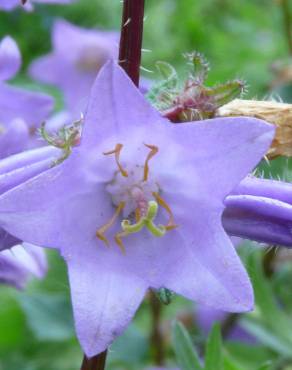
{"x": 100, "y": 232}
{"x": 171, "y": 224}
{"x": 117, "y": 152}
{"x": 153, "y": 151}
{"x": 118, "y": 240}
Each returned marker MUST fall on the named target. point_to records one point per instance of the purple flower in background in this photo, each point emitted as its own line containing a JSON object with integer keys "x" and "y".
{"x": 77, "y": 57}
{"x": 260, "y": 210}
{"x": 18, "y": 264}
{"x": 207, "y": 316}
{"x": 135, "y": 206}
{"x": 11, "y": 4}
{"x": 21, "y": 111}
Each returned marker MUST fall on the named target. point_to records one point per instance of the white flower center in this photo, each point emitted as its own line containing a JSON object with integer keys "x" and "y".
{"x": 132, "y": 190}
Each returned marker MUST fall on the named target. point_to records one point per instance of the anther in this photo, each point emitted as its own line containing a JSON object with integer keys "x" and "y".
{"x": 153, "y": 151}
{"x": 117, "y": 152}
{"x": 171, "y": 224}
{"x": 101, "y": 231}
{"x": 137, "y": 214}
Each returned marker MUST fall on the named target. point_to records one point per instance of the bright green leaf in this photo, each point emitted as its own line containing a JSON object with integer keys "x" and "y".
{"x": 186, "y": 355}
{"x": 213, "y": 356}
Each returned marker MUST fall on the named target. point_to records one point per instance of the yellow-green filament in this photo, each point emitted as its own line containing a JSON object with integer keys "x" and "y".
{"x": 146, "y": 221}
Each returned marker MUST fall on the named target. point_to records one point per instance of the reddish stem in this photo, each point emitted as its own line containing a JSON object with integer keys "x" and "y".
{"x": 156, "y": 334}
{"x": 94, "y": 363}
{"x": 131, "y": 38}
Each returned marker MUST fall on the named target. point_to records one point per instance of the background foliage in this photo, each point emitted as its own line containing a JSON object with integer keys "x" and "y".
{"x": 241, "y": 38}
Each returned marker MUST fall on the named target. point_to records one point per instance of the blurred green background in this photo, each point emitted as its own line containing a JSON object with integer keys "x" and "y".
{"x": 241, "y": 38}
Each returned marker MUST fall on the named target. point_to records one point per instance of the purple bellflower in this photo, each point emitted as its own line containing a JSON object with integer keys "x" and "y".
{"x": 75, "y": 61}
{"x": 18, "y": 264}
{"x": 138, "y": 204}
{"x": 21, "y": 111}
{"x": 260, "y": 210}
{"x": 8, "y": 5}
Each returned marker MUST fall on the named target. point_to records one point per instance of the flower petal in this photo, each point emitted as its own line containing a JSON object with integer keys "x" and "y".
{"x": 6, "y": 240}
{"x": 209, "y": 270}
{"x": 10, "y": 58}
{"x": 28, "y": 158}
{"x": 265, "y": 220}
{"x": 109, "y": 106}
{"x": 14, "y": 138}
{"x": 273, "y": 189}
{"x": 46, "y": 209}
{"x": 102, "y": 309}
{"x": 30, "y": 106}
{"x": 19, "y": 263}
{"x": 224, "y": 150}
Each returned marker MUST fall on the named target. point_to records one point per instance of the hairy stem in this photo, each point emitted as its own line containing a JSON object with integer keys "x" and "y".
{"x": 287, "y": 23}
{"x": 156, "y": 335}
{"x": 131, "y": 38}
{"x": 94, "y": 363}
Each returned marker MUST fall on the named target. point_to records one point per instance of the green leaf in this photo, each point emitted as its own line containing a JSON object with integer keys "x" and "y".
{"x": 267, "y": 337}
{"x": 266, "y": 366}
{"x": 186, "y": 355}
{"x": 274, "y": 318}
{"x": 49, "y": 316}
{"x": 229, "y": 364}
{"x": 213, "y": 357}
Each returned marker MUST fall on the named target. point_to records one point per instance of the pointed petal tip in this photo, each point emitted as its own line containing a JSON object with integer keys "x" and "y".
{"x": 92, "y": 351}
{"x": 245, "y": 303}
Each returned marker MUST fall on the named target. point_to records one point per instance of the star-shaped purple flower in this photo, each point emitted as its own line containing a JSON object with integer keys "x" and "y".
{"x": 75, "y": 61}
{"x": 138, "y": 204}
{"x": 18, "y": 264}
{"x": 21, "y": 111}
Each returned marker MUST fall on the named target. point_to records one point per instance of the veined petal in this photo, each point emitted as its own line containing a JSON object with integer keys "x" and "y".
{"x": 10, "y": 58}
{"x": 18, "y": 176}
{"x": 102, "y": 309}
{"x": 28, "y": 158}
